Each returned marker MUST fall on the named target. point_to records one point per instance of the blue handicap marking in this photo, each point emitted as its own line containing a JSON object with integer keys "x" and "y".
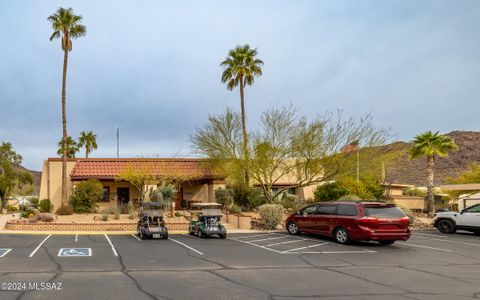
{"x": 4, "y": 252}
{"x": 75, "y": 252}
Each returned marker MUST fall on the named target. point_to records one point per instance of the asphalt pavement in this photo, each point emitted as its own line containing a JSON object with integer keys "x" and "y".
{"x": 244, "y": 266}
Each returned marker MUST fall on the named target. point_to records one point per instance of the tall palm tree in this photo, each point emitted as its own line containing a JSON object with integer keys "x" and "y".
{"x": 71, "y": 150}
{"x": 240, "y": 69}
{"x": 87, "y": 140}
{"x": 66, "y": 26}
{"x": 431, "y": 144}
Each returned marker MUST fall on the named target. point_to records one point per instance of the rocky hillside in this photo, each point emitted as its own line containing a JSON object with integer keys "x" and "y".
{"x": 406, "y": 171}
{"x": 37, "y": 177}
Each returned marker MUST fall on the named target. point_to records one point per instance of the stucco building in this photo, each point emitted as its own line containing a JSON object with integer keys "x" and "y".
{"x": 199, "y": 188}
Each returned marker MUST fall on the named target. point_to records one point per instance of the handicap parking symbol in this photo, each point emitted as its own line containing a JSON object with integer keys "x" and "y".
{"x": 75, "y": 252}
{"x": 4, "y": 252}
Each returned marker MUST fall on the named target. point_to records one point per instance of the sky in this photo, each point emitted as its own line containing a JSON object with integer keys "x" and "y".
{"x": 152, "y": 68}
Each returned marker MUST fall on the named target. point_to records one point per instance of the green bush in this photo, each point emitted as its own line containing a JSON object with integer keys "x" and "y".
{"x": 104, "y": 217}
{"x": 27, "y": 213}
{"x": 271, "y": 215}
{"x": 86, "y": 195}
{"x": 330, "y": 192}
{"x": 45, "y": 206}
{"x": 414, "y": 192}
{"x": 64, "y": 210}
{"x": 235, "y": 209}
{"x": 178, "y": 214}
{"x": 11, "y": 208}
{"x": 350, "y": 198}
{"x": 131, "y": 211}
{"x": 289, "y": 201}
{"x": 34, "y": 202}
{"x": 248, "y": 198}
{"x": 225, "y": 196}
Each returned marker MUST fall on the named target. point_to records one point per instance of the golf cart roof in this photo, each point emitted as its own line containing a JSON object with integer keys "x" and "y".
{"x": 205, "y": 205}
{"x": 151, "y": 213}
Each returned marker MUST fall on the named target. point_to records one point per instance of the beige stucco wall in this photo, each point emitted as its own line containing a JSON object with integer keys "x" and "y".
{"x": 51, "y": 182}
{"x": 410, "y": 202}
{"x": 305, "y": 192}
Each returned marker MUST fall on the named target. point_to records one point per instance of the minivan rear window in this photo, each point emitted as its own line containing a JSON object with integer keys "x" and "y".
{"x": 384, "y": 212}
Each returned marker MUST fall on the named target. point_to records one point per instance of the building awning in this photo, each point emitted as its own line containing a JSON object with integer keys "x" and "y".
{"x": 110, "y": 168}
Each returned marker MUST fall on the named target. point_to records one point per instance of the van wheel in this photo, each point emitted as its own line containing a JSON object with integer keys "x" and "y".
{"x": 385, "y": 243}
{"x": 477, "y": 233}
{"x": 446, "y": 226}
{"x": 341, "y": 236}
{"x": 292, "y": 228}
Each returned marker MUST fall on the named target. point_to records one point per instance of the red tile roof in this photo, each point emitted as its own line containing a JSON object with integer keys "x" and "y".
{"x": 109, "y": 168}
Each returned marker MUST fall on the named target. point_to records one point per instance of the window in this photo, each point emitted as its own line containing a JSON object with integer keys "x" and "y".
{"x": 309, "y": 210}
{"x": 327, "y": 209}
{"x": 347, "y": 210}
{"x": 473, "y": 209}
{"x": 106, "y": 194}
{"x": 384, "y": 211}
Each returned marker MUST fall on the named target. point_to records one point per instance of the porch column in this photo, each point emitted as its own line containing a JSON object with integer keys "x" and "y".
{"x": 211, "y": 192}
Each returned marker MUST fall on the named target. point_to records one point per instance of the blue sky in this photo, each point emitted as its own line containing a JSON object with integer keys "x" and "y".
{"x": 152, "y": 67}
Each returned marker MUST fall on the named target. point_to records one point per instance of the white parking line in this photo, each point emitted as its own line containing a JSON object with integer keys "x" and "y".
{"x": 39, "y": 245}
{"x": 76, "y": 238}
{"x": 306, "y": 247}
{"x": 256, "y": 235}
{"x": 263, "y": 247}
{"x": 186, "y": 246}
{"x": 445, "y": 240}
{"x": 427, "y": 247}
{"x": 287, "y": 242}
{"x": 268, "y": 239}
{"x": 347, "y": 251}
{"x": 6, "y": 252}
{"x": 111, "y": 245}
{"x": 136, "y": 237}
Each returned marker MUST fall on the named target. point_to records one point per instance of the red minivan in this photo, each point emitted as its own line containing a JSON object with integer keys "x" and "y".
{"x": 352, "y": 221}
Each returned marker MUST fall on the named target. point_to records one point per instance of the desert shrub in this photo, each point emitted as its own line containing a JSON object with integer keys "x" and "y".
{"x": 225, "y": 196}
{"x": 116, "y": 215}
{"x": 163, "y": 195}
{"x": 248, "y": 198}
{"x": 86, "y": 195}
{"x": 131, "y": 211}
{"x": 350, "y": 198}
{"x": 45, "y": 206}
{"x": 414, "y": 192}
{"x": 11, "y": 208}
{"x": 34, "y": 202}
{"x": 108, "y": 210}
{"x": 46, "y": 217}
{"x": 64, "y": 210}
{"x": 104, "y": 217}
{"x": 288, "y": 201}
{"x": 271, "y": 215}
{"x": 235, "y": 209}
{"x": 178, "y": 214}
{"x": 329, "y": 191}
{"x": 27, "y": 213}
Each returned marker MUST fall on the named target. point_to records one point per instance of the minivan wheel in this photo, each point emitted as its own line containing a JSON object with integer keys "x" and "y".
{"x": 446, "y": 226}
{"x": 292, "y": 228}
{"x": 341, "y": 236}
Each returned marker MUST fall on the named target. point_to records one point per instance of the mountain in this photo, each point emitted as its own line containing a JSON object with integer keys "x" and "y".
{"x": 406, "y": 171}
{"x": 37, "y": 177}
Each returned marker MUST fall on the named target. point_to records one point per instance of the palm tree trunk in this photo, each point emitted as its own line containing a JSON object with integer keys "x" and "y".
{"x": 64, "y": 123}
{"x": 430, "y": 196}
{"x": 244, "y": 130}
{"x": 86, "y": 152}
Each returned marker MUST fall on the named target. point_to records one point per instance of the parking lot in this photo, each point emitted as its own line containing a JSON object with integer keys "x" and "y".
{"x": 244, "y": 266}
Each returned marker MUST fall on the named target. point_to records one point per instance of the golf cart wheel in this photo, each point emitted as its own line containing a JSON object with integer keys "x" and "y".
{"x": 385, "y": 243}
{"x": 140, "y": 235}
{"x": 341, "y": 236}
{"x": 201, "y": 234}
{"x": 292, "y": 228}
{"x": 446, "y": 226}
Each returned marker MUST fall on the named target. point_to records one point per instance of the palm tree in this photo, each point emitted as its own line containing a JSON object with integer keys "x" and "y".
{"x": 431, "y": 144}
{"x": 89, "y": 141}
{"x": 72, "y": 148}
{"x": 240, "y": 69}
{"x": 66, "y": 25}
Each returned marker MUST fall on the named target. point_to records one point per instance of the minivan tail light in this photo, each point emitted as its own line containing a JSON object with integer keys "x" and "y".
{"x": 366, "y": 221}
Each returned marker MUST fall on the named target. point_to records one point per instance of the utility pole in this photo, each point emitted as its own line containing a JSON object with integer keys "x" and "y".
{"x": 118, "y": 141}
